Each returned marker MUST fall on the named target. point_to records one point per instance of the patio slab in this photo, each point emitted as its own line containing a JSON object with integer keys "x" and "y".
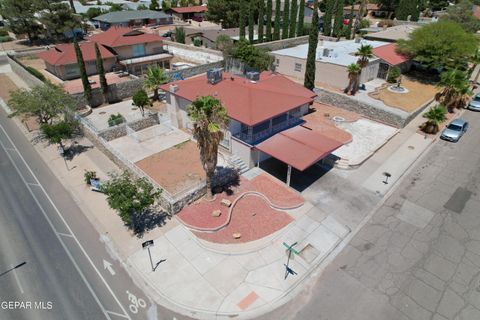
{"x": 99, "y": 116}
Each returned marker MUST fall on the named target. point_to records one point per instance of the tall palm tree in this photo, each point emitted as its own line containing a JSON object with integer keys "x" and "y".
{"x": 154, "y": 78}
{"x": 456, "y": 89}
{"x": 353, "y": 74}
{"x": 209, "y": 118}
{"x": 435, "y": 116}
{"x": 364, "y": 54}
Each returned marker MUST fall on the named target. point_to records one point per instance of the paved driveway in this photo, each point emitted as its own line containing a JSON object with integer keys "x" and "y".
{"x": 419, "y": 255}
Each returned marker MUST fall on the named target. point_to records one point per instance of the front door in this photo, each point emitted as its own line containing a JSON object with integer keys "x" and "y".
{"x": 383, "y": 70}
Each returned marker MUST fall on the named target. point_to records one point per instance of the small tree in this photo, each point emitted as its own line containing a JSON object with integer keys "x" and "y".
{"x": 101, "y": 73}
{"x": 348, "y": 34}
{"x": 252, "y": 56}
{"x": 407, "y": 10}
{"x": 309, "y": 81}
{"x": 224, "y": 43}
{"x": 210, "y": 119}
{"x": 278, "y": 18}
{"x": 456, "y": 89}
{"x": 154, "y": 5}
{"x": 286, "y": 17}
{"x": 338, "y": 23}
{"x": 353, "y": 73}
{"x": 301, "y": 18}
{"x": 268, "y": 22}
{"x": 261, "y": 20}
{"x": 435, "y": 116}
{"x": 251, "y": 21}
{"x": 242, "y": 18}
{"x": 58, "y": 132}
{"x": 393, "y": 74}
{"x": 293, "y": 19}
{"x": 45, "y": 102}
{"x": 166, "y": 5}
{"x": 154, "y": 78}
{"x": 327, "y": 18}
{"x": 141, "y": 100}
{"x": 87, "y": 89}
{"x": 130, "y": 197}
{"x": 180, "y": 35}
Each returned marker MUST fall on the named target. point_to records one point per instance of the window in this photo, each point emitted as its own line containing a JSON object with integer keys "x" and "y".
{"x": 298, "y": 67}
{"x": 72, "y": 70}
{"x": 138, "y": 50}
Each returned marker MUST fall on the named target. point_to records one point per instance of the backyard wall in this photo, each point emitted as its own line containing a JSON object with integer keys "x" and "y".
{"x": 288, "y": 43}
{"x": 20, "y": 70}
{"x": 193, "y": 54}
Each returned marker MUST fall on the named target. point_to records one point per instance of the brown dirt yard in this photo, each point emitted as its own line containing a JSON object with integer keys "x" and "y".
{"x": 419, "y": 94}
{"x": 6, "y": 87}
{"x": 39, "y": 64}
{"x": 175, "y": 169}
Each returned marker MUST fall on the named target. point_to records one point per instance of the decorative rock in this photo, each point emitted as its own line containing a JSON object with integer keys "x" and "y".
{"x": 216, "y": 213}
{"x": 237, "y": 235}
{"x": 226, "y": 202}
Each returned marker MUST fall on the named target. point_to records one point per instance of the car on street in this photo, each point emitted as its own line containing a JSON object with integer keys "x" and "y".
{"x": 455, "y": 130}
{"x": 475, "y": 103}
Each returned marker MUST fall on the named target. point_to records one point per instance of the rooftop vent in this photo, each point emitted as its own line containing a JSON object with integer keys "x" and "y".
{"x": 214, "y": 76}
{"x": 253, "y": 75}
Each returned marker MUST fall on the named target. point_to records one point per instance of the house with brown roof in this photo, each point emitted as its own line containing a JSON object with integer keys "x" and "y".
{"x": 121, "y": 48}
{"x": 265, "y": 111}
{"x": 61, "y": 60}
{"x": 196, "y": 13}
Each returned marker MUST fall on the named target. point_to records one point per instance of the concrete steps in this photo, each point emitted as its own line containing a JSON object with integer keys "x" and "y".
{"x": 238, "y": 163}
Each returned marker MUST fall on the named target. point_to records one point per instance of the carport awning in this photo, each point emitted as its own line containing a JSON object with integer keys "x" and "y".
{"x": 299, "y": 147}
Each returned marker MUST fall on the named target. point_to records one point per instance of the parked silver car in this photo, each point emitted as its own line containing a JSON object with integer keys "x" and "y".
{"x": 475, "y": 103}
{"x": 455, "y": 130}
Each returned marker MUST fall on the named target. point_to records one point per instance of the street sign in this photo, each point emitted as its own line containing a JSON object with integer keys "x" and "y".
{"x": 147, "y": 244}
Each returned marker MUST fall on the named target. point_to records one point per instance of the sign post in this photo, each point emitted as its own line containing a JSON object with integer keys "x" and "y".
{"x": 290, "y": 249}
{"x": 147, "y": 245}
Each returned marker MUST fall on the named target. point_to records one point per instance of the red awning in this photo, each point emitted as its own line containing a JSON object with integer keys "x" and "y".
{"x": 299, "y": 147}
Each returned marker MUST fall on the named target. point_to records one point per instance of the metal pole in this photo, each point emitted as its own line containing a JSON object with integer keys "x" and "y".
{"x": 289, "y": 173}
{"x": 150, "y": 256}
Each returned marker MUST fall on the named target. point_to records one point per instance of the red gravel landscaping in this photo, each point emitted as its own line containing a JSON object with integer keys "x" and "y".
{"x": 252, "y": 216}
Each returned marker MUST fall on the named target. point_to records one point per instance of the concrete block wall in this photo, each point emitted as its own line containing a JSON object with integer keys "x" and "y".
{"x": 192, "y": 53}
{"x": 18, "y": 68}
{"x": 288, "y": 43}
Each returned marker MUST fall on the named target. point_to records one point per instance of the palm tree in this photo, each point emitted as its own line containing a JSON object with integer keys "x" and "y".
{"x": 353, "y": 74}
{"x": 456, "y": 89}
{"x": 209, "y": 118}
{"x": 435, "y": 116}
{"x": 365, "y": 53}
{"x": 154, "y": 78}
{"x": 475, "y": 60}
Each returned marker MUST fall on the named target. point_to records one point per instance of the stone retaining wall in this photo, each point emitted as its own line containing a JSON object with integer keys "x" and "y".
{"x": 390, "y": 116}
{"x": 151, "y": 119}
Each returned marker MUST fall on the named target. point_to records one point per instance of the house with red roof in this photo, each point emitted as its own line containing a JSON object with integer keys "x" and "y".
{"x": 265, "y": 111}
{"x": 196, "y": 13}
{"x": 121, "y": 48}
{"x": 61, "y": 60}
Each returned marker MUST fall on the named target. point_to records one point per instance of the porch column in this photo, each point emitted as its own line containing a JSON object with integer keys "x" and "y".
{"x": 289, "y": 174}
{"x": 258, "y": 158}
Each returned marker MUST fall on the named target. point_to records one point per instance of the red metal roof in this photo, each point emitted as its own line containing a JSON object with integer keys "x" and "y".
{"x": 63, "y": 54}
{"x": 246, "y": 101}
{"x": 389, "y": 54}
{"x": 299, "y": 147}
{"x": 123, "y": 36}
{"x": 193, "y": 9}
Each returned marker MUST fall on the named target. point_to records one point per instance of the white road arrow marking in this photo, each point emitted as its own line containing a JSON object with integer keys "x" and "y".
{"x": 108, "y": 266}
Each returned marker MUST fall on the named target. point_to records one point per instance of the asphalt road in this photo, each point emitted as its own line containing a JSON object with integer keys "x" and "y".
{"x": 418, "y": 257}
{"x": 61, "y": 256}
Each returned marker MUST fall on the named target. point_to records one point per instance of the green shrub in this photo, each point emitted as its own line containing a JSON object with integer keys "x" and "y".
{"x": 89, "y": 175}
{"x": 36, "y": 73}
{"x": 3, "y": 32}
{"x": 364, "y": 23}
{"x": 197, "y": 42}
{"x": 393, "y": 74}
{"x": 115, "y": 119}
{"x": 5, "y": 38}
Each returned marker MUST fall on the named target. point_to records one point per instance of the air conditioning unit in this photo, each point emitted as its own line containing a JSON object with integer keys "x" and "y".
{"x": 326, "y": 52}
{"x": 253, "y": 75}
{"x": 214, "y": 75}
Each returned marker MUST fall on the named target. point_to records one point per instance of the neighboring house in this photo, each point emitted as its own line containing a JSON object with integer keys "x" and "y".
{"x": 81, "y": 8}
{"x": 121, "y": 48}
{"x": 135, "y": 50}
{"x": 333, "y": 59}
{"x": 372, "y": 9}
{"x": 390, "y": 58}
{"x": 133, "y": 18}
{"x": 262, "y": 112}
{"x": 196, "y": 13}
{"x": 61, "y": 60}
{"x": 392, "y": 34}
